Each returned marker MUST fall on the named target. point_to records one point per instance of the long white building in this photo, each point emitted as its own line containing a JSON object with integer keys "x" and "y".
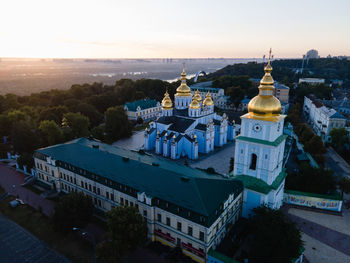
{"x": 322, "y": 118}
{"x": 183, "y": 206}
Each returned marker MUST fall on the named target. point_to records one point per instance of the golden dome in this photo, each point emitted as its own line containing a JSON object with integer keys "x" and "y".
{"x": 166, "y": 102}
{"x": 183, "y": 89}
{"x": 197, "y": 96}
{"x": 208, "y": 101}
{"x": 195, "y": 104}
{"x": 265, "y": 105}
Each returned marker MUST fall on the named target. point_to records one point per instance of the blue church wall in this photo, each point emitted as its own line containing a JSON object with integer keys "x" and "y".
{"x": 152, "y": 140}
{"x": 217, "y": 136}
{"x": 201, "y": 141}
{"x": 252, "y": 201}
{"x": 230, "y": 132}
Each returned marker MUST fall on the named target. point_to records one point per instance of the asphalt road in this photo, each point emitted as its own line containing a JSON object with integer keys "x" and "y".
{"x": 18, "y": 245}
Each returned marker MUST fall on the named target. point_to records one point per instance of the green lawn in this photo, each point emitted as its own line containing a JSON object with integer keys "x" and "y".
{"x": 71, "y": 245}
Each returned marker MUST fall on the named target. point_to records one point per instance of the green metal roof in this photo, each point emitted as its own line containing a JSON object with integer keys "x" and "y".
{"x": 180, "y": 185}
{"x": 259, "y": 185}
{"x": 274, "y": 143}
{"x": 144, "y": 104}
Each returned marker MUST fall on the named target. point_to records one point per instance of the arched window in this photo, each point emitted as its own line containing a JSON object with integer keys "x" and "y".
{"x": 253, "y": 162}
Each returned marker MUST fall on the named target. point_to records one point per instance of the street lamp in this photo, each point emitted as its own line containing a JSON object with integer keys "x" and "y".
{"x": 91, "y": 237}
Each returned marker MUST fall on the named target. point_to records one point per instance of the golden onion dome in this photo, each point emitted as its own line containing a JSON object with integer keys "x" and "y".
{"x": 197, "y": 96}
{"x": 265, "y": 105}
{"x": 208, "y": 101}
{"x": 195, "y": 104}
{"x": 166, "y": 102}
{"x": 183, "y": 89}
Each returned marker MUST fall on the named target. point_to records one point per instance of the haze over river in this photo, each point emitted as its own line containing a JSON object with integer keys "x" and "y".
{"x": 25, "y": 76}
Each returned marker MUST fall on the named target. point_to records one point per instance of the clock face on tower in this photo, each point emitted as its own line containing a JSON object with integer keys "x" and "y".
{"x": 257, "y": 127}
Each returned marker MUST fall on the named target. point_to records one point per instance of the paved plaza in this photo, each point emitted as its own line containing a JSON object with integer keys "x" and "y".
{"x": 326, "y": 236}
{"x": 219, "y": 159}
{"x": 18, "y": 245}
{"x": 135, "y": 142}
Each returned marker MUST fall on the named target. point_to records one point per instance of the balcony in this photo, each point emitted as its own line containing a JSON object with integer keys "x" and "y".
{"x": 193, "y": 250}
{"x": 164, "y": 236}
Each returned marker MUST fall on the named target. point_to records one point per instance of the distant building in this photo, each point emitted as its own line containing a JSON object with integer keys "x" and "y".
{"x": 218, "y": 95}
{"x": 182, "y": 206}
{"x": 145, "y": 109}
{"x": 312, "y": 81}
{"x": 244, "y": 104}
{"x": 281, "y": 92}
{"x": 322, "y": 118}
{"x": 342, "y": 106}
{"x": 312, "y": 53}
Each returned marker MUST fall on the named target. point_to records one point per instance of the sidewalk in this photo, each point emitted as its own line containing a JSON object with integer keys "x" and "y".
{"x": 11, "y": 181}
{"x": 339, "y": 160}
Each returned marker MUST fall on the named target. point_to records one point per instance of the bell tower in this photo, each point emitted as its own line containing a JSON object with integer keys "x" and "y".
{"x": 260, "y": 148}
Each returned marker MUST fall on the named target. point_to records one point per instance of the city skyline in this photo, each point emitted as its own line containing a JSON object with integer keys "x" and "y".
{"x": 181, "y": 29}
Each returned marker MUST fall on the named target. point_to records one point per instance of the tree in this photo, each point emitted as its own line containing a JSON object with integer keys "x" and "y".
{"x": 312, "y": 180}
{"x": 72, "y": 210}
{"x": 315, "y": 145}
{"x": 52, "y": 132}
{"x": 90, "y": 111}
{"x": 126, "y": 230}
{"x": 339, "y": 138}
{"x": 139, "y": 120}
{"x": 344, "y": 185}
{"x": 271, "y": 229}
{"x": 78, "y": 124}
{"x": 117, "y": 124}
{"x": 24, "y": 138}
{"x": 53, "y": 113}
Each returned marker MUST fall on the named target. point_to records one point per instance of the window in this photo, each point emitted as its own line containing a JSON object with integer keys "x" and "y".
{"x": 60, "y": 175}
{"x": 107, "y": 195}
{"x": 82, "y": 184}
{"x": 168, "y": 221}
{"x": 201, "y": 236}
{"x": 253, "y": 162}
{"x": 179, "y": 226}
{"x": 94, "y": 189}
{"x": 86, "y": 186}
{"x": 131, "y": 204}
{"x": 159, "y": 217}
{"x": 75, "y": 181}
{"x": 98, "y": 191}
{"x": 190, "y": 231}
{"x": 90, "y": 187}
{"x": 126, "y": 202}
{"x": 99, "y": 203}
{"x": 145, "y": 213}
{"x": 121, "y": 200}
{"x": 112, "y": 197}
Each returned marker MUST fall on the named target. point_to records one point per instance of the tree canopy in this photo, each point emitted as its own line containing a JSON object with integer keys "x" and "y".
{"x": 126, "y": 230}
{"x": 275, "y": 238}
{"x": 72, "y": 210}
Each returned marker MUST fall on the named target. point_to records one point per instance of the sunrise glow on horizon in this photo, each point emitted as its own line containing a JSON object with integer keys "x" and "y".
{"x": 178, "y": 29}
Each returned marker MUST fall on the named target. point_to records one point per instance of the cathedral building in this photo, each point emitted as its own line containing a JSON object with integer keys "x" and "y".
{"x": 260, "y": 148}
{"x": 189, "y": 128}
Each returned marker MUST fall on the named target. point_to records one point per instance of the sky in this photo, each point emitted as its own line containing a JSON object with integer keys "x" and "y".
{"x": 173, "y": 29}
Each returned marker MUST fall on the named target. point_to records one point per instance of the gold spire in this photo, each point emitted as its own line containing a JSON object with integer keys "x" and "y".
{"x": 195, "y": 104}
{"x": 265, "y": 106}
{"x": 183, "y": 89}
{"x": 208, "y": 101}
{"x": 197, "y": 96}
{"x": 166, "y": 102}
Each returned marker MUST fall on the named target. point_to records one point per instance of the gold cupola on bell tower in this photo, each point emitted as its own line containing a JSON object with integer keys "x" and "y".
{"x": 265, "y": 106}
